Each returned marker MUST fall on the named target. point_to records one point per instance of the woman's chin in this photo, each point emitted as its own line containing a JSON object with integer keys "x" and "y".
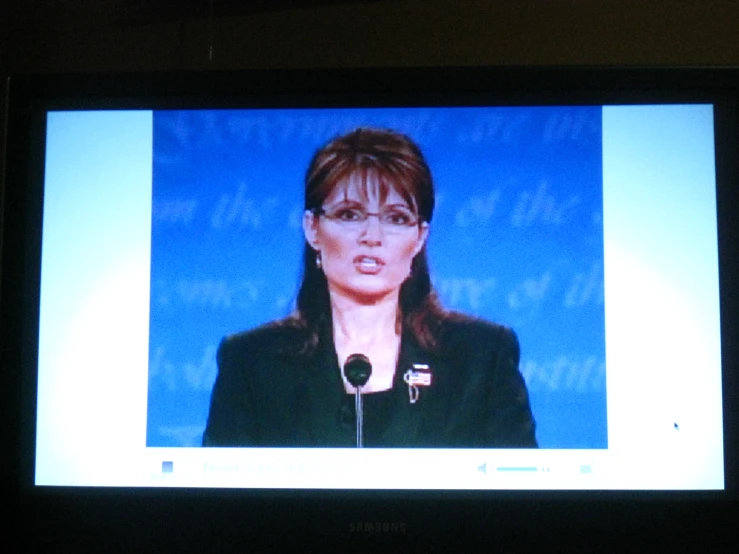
{"x": 373, "y": 293}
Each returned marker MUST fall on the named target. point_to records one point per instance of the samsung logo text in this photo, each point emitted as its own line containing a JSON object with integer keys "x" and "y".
{"x": 377, "y": 527}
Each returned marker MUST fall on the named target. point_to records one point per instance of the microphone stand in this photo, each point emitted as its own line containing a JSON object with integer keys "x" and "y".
{"x": 357, "y": 370}
{"x": 360, "y": 419}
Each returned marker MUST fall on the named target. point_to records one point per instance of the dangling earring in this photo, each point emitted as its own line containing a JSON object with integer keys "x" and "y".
{"x": 319, "y": 264}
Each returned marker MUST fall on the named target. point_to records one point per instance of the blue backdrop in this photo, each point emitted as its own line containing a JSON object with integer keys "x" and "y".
{"x": 517, "y": 238}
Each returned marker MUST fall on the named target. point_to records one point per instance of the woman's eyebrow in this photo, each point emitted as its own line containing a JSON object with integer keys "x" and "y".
{"x": 358, "y": 203}
{"x": 347, "y": 202}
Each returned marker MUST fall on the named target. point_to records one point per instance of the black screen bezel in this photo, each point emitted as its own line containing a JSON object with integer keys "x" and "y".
{"x": 439, "y": 516}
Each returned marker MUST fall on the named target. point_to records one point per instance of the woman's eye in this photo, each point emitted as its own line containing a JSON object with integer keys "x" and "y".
{"x": 398, "y": 218}
{"x": 348, "y": 214}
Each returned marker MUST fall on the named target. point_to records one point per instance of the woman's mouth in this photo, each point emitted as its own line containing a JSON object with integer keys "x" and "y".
{"x": 369, "y": 265}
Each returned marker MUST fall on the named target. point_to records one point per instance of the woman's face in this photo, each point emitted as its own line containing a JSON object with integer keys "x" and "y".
{"x": 365, "y": 260}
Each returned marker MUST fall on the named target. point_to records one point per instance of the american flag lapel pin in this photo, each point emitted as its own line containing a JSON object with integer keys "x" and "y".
{"x": 419, "y": 375}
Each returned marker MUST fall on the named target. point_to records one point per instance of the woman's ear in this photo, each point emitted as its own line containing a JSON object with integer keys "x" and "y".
{"x": 310, "y": 229}
{"x": 423, "y": 234}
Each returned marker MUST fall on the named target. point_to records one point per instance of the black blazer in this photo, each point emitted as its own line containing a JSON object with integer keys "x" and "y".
{"x": 267, "y": 394}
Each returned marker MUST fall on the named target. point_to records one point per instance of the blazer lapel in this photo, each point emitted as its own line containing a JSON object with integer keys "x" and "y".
{"x": 325, "y": 398}
{"x": 412, "y": 422}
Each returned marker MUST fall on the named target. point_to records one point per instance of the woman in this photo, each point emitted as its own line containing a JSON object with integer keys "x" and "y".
{"x": 438, "y": 379}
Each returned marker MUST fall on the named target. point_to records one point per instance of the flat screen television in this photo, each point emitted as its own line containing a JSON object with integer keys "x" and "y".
{"x": 539, "y": 265}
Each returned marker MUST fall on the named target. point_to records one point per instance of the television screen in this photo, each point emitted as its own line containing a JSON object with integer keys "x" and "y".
{"x": 530, "y": 276}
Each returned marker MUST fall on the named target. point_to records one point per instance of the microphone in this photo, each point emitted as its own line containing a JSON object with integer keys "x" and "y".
{"x": 357, "y": 370}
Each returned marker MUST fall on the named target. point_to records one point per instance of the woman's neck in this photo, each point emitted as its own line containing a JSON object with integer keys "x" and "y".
{"x": 369, "y": 329}
{"x": 364, "y": 323}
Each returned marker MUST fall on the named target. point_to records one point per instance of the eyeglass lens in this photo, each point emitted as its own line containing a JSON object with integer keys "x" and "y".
{"x": 393, "y": 216}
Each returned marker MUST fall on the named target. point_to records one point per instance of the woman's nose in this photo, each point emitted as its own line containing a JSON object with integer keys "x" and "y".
{"x": 372, "y": 233}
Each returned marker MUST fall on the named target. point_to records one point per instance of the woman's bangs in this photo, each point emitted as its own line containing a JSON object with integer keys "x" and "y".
{"x": 371, "y": 182}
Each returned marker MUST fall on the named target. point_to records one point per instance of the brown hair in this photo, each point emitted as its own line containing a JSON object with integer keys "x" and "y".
{"x": 394, "y": 162}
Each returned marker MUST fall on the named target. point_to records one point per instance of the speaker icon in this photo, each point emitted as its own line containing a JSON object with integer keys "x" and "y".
{"x": 483, "y": 468}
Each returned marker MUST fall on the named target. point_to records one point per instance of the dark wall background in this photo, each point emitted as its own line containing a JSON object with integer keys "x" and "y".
{"x": 132, "y": 35}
